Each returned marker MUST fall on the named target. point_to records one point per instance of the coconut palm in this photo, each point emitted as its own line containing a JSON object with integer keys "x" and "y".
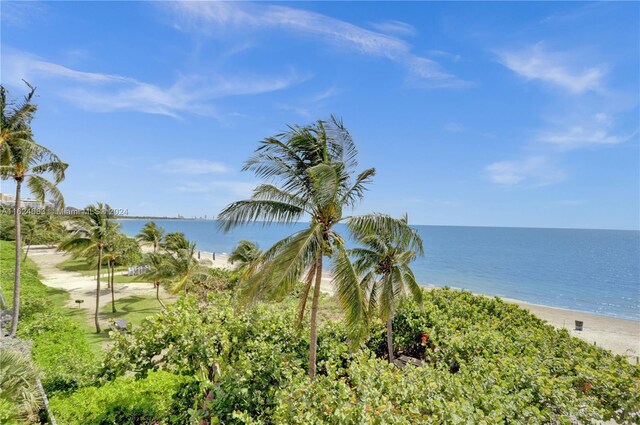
{"x": 26, "y": 162}
{"x": 91, "y": 230}
{"x": 16, "y": 117}
{"x": 151, "y": 234}
{"x": 158, "y": 271}
{"x": 119, "y": 250}
{"x": 175, "y": 242}
{"x": 383, "y": 262}
{"x": 312, "y": 173}
{"x": 244, "y": 255}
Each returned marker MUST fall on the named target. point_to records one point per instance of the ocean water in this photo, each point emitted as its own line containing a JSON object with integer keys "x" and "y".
{"x": 595, "y": 271}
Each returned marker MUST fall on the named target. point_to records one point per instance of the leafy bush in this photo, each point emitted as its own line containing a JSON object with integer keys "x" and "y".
{"x": 484, "y": 361}
{"x": 124, "y": 401}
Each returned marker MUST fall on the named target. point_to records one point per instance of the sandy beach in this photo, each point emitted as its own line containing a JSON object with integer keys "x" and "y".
{"x": 618, "y": 335}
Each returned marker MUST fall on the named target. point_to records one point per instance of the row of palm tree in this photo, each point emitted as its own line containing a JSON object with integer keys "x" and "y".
{"x": 25, "y": 162}
{"x": 310, "y": 172}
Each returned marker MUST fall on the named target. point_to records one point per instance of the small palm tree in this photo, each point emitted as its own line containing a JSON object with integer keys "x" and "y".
{"x": 151, "y": 234}
{"x": 383, "y": 262}
{"x": 91, "y": 230}
{"x": 243, "y": 256}
{"x": 119, "y": 250}
{"x": 311, "y": 172}
{"x": 175, "y": 242}
{"x": 26, "y": 162}
{"x": 18, "y": 386}
{"x": 158, "y": 271}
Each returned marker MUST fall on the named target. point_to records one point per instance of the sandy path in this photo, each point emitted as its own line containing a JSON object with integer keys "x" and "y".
{"x": 84, "y": 287}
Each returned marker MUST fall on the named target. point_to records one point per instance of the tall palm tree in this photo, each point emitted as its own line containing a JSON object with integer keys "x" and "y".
{"x": 26, "y": 162}
{"x": 174, "y": 242}
{"x": 311, "y": 172}
{"x": 151, "y": 234}
{"x": 383, "y": 262}
{"x": 91, "y": 230}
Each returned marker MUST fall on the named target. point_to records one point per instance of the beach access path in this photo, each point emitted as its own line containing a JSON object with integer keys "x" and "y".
{"x": 83, "y": 287}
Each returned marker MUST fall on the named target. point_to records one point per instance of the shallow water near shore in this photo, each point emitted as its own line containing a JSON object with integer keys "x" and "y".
{"x": 596, "y": 271}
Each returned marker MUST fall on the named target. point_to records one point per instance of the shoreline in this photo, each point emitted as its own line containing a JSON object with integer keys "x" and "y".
{"x": 621, "y": 336}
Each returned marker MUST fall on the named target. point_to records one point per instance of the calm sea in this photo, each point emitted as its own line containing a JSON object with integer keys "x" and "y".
{"x": 596, "y": 271}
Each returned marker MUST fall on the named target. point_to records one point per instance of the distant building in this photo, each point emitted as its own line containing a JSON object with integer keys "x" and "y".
{"x": 9, "y": 200}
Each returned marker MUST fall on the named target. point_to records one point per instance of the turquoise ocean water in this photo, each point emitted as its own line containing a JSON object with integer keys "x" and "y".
{"x": 596, "y": 271}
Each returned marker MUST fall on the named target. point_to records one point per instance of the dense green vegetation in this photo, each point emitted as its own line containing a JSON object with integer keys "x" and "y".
{"x": 484, "y": 361}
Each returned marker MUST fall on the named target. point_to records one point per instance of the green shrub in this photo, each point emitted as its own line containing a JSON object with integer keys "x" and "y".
{"x": 125, "y": 401}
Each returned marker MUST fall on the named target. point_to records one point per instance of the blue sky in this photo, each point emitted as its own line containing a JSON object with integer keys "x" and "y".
{"x": 493, "y": 114}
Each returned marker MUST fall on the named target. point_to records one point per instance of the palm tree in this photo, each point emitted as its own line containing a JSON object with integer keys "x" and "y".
{"x": 158, "y": 271}
{"x": 312, "y": 173}
{"x": 383, "y": 262}
{"x": 244, "y": 255}
{"x": 151, "y": 234}
{"x": 19, "y": 387}
{"x": 175, "y": 242}
{"x": 119, "y": 250}
{"x": 24, "y": 161}
{"x": 91, "y": 230}
{"x": 16, "y": 117}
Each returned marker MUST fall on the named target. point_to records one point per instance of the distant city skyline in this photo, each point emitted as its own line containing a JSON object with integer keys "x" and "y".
{"x": 474, "y": 114}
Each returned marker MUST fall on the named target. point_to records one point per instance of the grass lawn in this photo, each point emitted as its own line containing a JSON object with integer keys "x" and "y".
{"x": 82, "y": 266}
{"x": 134, "y": 308}
{"x": 130, "y": 279}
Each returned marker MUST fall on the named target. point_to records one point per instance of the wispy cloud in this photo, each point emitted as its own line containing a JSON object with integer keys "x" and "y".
{"x": 591, "y": 131}
{"x": 395, "y": 27}
{"x": 555, "y": 68}
{"x": 20, "y": 13}
{"x": 101, "y": 92}
{"x": 215, "y": 18}
{"x": 530, "y": 171}
{"x": 188, "y": 166}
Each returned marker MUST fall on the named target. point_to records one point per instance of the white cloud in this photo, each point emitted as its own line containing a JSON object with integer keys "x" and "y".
{"x": 186, "y": 166}
{"x": 587, "y": 132}
{"x": 535, "y": 63}
{"x": 20, "y": 13}
{"x": 395, "y": 27}
{"x": 531, "y": 171}
{"x": 219, "y": 17}
{"x": 101, "y": 92}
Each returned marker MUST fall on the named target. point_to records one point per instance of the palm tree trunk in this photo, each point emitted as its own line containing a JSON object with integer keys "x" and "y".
{"x": 16, "y": 278}
{"x": 314, "y": 314}
{"x": 390, "y": 338}
{"x": 113, "y": 296}
{"x": 28, "y": 247}
{"x": 98, "y": 289}
{"x": 157, "y": 284}
{"x": 303, "y": 300}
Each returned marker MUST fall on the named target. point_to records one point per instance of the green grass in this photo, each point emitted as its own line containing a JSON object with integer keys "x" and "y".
{"x": 83, "y": 266}
{"x": 134, "y": 308}
{"x": 130, "y": 279}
